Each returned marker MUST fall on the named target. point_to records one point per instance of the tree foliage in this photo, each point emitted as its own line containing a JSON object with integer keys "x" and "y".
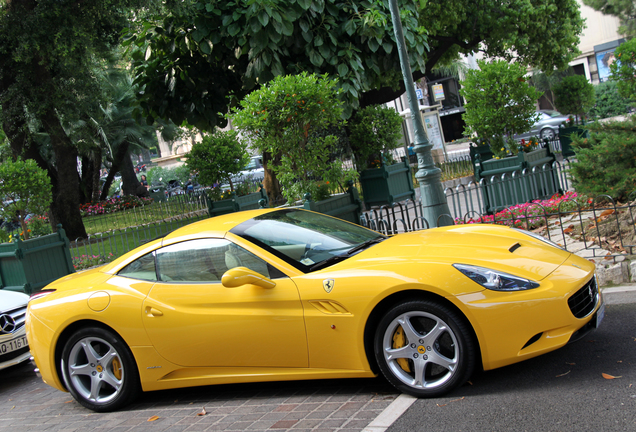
{"x": 285, "y": 120}
{"x": 606, "y": 161}
{"x": 624, "y": 70}
{"x": 194, "y": 58}
{"x": 373, "y": 131}
{"x": 217, "y": 157}
{"x": 624, "y": 10}
{"x": 25, "y": 188}
{"x": 49, "y": 51}
{"x": 499, "y": 101}
{"x": 574, "y": 95}
{"x": 609, "y": 102}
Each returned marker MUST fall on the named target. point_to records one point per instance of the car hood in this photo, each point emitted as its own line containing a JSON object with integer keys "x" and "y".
{"x": 491, "y": 246}
{"x": 10, "y": 300}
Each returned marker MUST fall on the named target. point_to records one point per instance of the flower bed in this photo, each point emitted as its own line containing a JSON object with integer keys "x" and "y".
{"x": 533, "y": 215}
{"x": 113, "y": 205}
{"x": 87, "y": 261}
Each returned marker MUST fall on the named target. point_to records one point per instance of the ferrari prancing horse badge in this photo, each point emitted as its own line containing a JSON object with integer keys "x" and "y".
{"x": 328, "y": 284}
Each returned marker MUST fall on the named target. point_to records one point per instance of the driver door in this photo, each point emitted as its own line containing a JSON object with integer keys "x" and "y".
{"x": 193, "y": 320}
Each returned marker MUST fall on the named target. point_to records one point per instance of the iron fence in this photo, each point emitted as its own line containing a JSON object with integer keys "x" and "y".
{"x": 601, "y": 227}
{"x": 114, "y": 243}
{"x": 159, "y": 210}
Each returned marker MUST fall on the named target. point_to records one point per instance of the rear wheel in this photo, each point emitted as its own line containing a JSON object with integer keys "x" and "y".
{"x": 99, "y": 370}
{"x": 424, "y": 349}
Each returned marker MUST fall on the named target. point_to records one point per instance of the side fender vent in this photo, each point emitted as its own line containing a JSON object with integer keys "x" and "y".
{"x": 329, "y": 307}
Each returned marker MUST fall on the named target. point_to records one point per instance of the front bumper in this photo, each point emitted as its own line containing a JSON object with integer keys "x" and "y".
{"x": 515, "y": 326}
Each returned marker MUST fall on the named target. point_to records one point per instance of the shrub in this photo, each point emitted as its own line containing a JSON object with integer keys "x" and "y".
{"x": 372, "y": 132}
{"x": 25, "y": 188}
{"x": 606, "y": 161}
{"x": 217, "y": 157}
{"x": 164, "y": 175}
{"x": 609, "y": 102}
{"x": 574, "y": 95}
{"x": 499, "y": 101}
{"x": 286, "y": 120}
{"x": 623, "y": 69}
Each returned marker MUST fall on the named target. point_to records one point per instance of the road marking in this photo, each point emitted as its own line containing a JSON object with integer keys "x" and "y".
{"x": 390, "y": 414}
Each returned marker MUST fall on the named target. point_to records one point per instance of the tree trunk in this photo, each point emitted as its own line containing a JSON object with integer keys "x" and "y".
{"x": 118, "y": 158}
{"x": 97, "y": 167}
{"x": 86, "y": 180}
{"x": 65, "y": 205}
{"x": 129, "y": 178}
{"x": 270, "y": 182}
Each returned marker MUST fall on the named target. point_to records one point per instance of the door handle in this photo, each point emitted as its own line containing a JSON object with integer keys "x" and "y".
{"x": 152, "y": 312}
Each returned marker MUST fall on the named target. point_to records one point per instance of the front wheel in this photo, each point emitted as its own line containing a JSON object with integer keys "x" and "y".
{"x": 547, "y": 134}
{"x": 424, "y": 349}
{"x": 99, "y": 370}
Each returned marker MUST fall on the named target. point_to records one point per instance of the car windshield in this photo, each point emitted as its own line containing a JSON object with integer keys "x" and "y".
{"x": 551, "y": 113}
{"x": 308, "y": 241}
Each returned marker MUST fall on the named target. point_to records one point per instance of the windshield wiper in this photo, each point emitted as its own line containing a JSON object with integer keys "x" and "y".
{"x": 365, "y": 245}
{"x": 334, "y": 259}
{"x": 337, "y": 258}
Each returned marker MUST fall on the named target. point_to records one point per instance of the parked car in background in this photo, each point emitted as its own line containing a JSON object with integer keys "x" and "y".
{"x": 548, "y": 124}
{"x": 14, "y": 347}
{"x": 254, "y": 169}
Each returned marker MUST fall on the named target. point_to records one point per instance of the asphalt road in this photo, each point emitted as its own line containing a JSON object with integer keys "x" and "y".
{"x": 561, "y": 391}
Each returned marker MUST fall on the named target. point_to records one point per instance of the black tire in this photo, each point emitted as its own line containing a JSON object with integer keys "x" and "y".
{"x": 547, "y": 133}
{"x": 424, "y": 349}
{"x": 99, "y": 370}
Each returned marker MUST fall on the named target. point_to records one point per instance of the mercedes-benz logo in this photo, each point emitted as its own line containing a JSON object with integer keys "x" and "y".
{"x": 7, "y": 323}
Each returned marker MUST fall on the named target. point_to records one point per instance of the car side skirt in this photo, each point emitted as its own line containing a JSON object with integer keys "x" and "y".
{"x": 162, "y": 375}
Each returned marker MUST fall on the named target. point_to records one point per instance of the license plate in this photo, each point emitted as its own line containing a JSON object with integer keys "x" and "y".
{"x": 13, "y": 345}
{"x": 600, "y": 314}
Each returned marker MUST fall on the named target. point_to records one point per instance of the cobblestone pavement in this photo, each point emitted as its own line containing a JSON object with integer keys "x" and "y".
{"x": 27, "y": 404}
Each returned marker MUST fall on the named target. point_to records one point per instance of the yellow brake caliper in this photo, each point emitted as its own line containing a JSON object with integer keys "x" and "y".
{"x": 398, "y": 342}
{"x": 117, "y": 368}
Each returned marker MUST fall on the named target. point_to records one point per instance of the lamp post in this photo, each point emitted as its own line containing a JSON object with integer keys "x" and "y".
{"x": 434, "y": 203}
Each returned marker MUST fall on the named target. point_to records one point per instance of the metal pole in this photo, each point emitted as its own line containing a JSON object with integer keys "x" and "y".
{"x": 428, "y": 175}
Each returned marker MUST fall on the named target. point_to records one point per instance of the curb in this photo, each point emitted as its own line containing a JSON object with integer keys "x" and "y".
{"x": 619, "y": 295}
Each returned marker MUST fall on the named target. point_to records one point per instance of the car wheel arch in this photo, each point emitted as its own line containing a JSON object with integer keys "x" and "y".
{"x": 404, "y": 296}
{"x": 68, "y": 332}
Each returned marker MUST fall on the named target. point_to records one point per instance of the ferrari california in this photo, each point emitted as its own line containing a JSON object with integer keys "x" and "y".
{"x": 288, "y": 294}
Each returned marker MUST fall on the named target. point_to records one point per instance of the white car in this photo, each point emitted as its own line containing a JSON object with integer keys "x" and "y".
{"x": 14, "y": 347}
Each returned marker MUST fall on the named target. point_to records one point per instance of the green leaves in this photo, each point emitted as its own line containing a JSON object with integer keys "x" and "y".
{"x": 499, "y": 101}
{"x": 25, "y": 188}
{"x": 574, "y": 95}
{"x": 288, "y": 118}
{"x": 217, "y": 157}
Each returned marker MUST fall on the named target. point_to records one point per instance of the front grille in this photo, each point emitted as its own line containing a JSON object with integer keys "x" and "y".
{"x": 583, "y": 302}
{"x": 12, "y": 320}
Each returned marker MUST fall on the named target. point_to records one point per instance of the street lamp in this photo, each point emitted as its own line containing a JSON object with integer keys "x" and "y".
{"x": 434, "y": 203}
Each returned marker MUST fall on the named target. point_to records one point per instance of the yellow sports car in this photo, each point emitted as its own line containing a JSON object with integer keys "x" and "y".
{"x": 288, "y": 294}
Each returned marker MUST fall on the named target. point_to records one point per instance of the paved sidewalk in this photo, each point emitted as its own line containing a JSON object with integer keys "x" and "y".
{"x": 27, "y": 404}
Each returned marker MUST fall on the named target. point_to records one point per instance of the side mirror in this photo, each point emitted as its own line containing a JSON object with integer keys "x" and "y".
{"x": 240, "y": 276}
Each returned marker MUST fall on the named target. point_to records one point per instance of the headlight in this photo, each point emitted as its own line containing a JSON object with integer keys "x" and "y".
{"x": 540, "y": 238}
{"x": 495, "y": 280}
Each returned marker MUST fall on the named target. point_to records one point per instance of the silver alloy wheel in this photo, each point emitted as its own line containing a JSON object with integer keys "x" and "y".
{"x": 429, "y": 350}
{"x": 95, "y": 369}
{"x": 547, "y": 133}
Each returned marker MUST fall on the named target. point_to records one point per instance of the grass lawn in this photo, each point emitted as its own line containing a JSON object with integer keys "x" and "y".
{"x": 112, "y": 235}
{"x": 157, "y": 211}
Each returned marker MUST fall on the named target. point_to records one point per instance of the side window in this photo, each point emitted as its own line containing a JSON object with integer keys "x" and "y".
{"x": 142, "y": 268}
{"x": 200, "y": 260}
{"x": 236, "y": 256}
